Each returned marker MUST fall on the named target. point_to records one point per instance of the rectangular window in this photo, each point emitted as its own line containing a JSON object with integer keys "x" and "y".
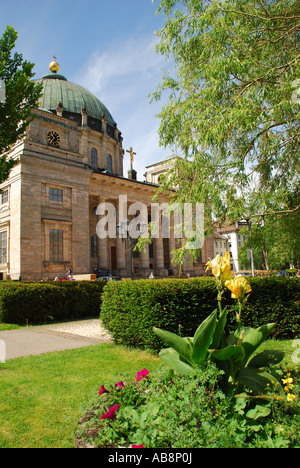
{"x": 94, "y": 246}
{"x": 56, "y": 246}
{"x": 151, "y": 250}
{"x": 55, "y": 195}
{"x": 4, "y": 197}
{"x": 3, "y": 247}
{"x": 94, "y": 159}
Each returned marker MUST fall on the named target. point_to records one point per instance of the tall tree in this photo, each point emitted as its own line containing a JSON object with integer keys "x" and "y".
{"x": 21, "y": 95}
{"x": 230, "y": 111}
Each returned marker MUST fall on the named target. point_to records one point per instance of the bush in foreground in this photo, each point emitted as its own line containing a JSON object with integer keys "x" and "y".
{"x": 35, "y": 303}
{"x": 131, "y": 308}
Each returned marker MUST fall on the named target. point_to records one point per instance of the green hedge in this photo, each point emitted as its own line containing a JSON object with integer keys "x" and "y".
{"x": 131, "y": 308}
{"x": 36, "y": 303}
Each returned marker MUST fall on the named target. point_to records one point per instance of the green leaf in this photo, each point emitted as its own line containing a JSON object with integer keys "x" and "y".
{"x": 219, "y": 329}
{"x": 266, "y": 358}
{"x": 255, "y": 337}
{"x": 234, "y": 354}
{"x": 203, "y": 337}
{"x": 180, "y": 345}
{"x": 259, "y": 411}
{"x": 258, "y": 381}
{"x": 172, "y": 359}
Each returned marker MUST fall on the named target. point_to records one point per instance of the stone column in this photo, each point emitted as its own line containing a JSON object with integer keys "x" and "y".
{"x": 159, "y": 257}
{"x": 121, "y": 256}
{"x": 172, "y": 246}
{"x": 144, "y": 261}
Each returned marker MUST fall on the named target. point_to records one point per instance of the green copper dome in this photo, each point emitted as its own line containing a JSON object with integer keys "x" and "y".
{"x": 57, "y": 89}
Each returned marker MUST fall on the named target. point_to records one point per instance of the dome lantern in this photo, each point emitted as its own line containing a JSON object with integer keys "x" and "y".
{"x": 54, "y": 66}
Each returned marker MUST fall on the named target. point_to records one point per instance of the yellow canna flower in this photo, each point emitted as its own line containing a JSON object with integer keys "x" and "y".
{"x": 220, "y": 267}
{"x": 239, "y": 287}
{"x": 214, "y": 265}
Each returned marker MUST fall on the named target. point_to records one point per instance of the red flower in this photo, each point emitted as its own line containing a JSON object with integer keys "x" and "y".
{"x": 110, "y": 413}
{"x": 120, "y": 384}
{"x": 137, "y": 446}
{"x": 140, "y": 375}
{"x": 102, "y": 390}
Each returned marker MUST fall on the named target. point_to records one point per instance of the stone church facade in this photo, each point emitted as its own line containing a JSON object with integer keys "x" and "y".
{"x": 69, "y": 162}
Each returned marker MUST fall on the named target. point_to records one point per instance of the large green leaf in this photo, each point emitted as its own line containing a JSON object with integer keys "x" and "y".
{"x": 255, "y": 337}
{"x": 203, "y": 337}
{"x": 172, "y": 359}
{"x": 219, "y": 330}
{"x": 182, "y": 346}
{"x": 260, "y": 411}
{"x": 258, "y": 381}
{"x": 233, "y": 354}
{"x": 266, "y": 358}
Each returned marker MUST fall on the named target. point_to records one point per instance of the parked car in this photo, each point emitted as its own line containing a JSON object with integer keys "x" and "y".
{"x": 282, "y": 273}
{"x": 108, "y": 278}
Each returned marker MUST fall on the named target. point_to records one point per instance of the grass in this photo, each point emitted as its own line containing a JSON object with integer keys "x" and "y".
{"x": 7, "y": 326}
{"x": 43, "y": 397}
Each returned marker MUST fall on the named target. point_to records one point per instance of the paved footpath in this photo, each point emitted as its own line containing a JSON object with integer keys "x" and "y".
{"x": 48, "y": 338}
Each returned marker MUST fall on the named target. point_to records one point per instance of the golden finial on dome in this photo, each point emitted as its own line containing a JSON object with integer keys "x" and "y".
{"x": 54, "y": 66}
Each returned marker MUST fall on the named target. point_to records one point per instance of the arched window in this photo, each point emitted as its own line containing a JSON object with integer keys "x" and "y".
{"x": 109, "y": 164}
{"x": 94, "y": 159}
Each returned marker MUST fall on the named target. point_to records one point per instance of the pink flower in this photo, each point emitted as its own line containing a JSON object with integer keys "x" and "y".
{"x": 102, "y": 390}
{"x": 140, "y": 375}
{"x": 110, "y": 413}
{"x": 120, "y": 384}
{"x": 137, "y": 446}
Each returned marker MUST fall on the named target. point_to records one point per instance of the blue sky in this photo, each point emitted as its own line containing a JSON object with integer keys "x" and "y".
{"x": 107, "y": 46}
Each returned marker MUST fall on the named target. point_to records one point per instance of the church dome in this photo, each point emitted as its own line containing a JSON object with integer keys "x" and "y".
{"x": 59, "y": 92}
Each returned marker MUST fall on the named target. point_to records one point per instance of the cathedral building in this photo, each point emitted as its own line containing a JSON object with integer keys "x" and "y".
{"x": 69, "y": 162}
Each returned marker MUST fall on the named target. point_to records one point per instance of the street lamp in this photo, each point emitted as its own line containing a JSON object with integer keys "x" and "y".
{"x": 124, "y": 230}
{"x": 247, "y": 223}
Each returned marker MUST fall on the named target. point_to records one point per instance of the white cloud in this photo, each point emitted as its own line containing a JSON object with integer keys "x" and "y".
{"x": 122, "y": 77}
{"x": 131, "y": 65}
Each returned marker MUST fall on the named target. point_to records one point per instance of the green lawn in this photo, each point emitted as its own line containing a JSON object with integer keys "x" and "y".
{"x": 43, "y": 397}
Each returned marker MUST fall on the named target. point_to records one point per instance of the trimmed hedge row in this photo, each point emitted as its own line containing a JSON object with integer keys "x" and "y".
{"x": 37, "y": 303}
{"x": 131, "y": 308}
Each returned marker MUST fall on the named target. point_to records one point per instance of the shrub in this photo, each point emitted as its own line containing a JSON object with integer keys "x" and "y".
{"x": 274, "y": 300}
{"x": 33, "y": 303}
{"x": 130, "y": 309}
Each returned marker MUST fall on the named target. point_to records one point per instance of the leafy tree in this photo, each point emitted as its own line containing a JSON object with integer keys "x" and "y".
{"x": 277, "y": 244}
{"x": 21, "y": 96}
{"x": 230, "y": 112}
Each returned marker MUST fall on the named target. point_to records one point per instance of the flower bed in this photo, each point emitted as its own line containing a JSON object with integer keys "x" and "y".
{"x": 220, "y": 392}
{"x": 169, "y": 410}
